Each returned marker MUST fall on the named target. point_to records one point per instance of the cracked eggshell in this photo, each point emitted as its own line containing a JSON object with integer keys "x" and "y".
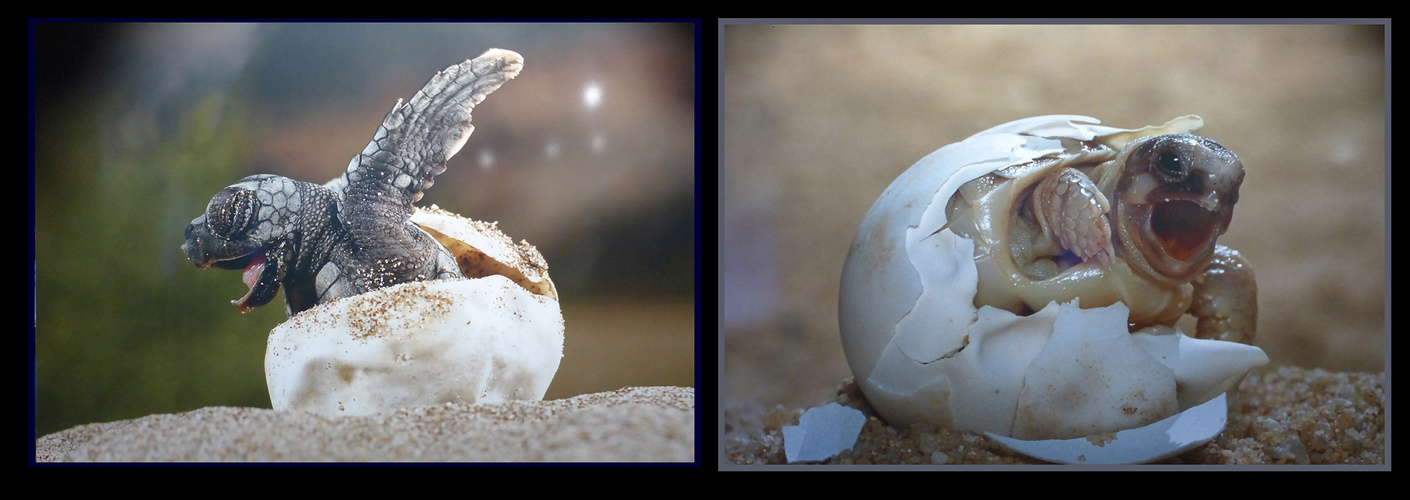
{"x": 496, "y": 335}
{"x": 482, "y": 250}
{"x": 922, "y": 352}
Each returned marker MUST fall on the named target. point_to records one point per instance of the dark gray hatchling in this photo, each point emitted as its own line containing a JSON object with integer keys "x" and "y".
{"x": 353, "y": 234}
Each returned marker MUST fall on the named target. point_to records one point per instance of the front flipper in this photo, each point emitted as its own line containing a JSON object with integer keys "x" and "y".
{"x": 1070, "y": 208}
{"x": 1226, "y": 298}
{"x": 416, "y": 138}
{"x": 410, "y": 147}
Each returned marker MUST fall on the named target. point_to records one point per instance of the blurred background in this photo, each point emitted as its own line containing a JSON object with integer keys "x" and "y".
{"x": 589, "y": 155}
{"x": 816, "y": 120}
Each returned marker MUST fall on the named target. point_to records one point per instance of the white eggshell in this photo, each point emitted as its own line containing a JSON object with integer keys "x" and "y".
{"x": 1092, "y": 377}
{"x": 1157, "y": 441}
{"x": 482, "y": 340}
{"x": 481, "y": 249}
{"x": 922, "y": 352}
{"x": 822, "y": 432}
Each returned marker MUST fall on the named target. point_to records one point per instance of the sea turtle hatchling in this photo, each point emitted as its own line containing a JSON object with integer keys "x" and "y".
{"x": 354, "y": 234}
{"x": 1027, "y": 281}
{"x": 1131, "y": 216}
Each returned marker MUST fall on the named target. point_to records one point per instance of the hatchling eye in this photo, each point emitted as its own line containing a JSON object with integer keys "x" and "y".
{"x": 1170, "y": 165}
{"x": 232, "y": 213}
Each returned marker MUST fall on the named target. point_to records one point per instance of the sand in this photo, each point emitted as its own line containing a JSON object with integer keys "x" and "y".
{"x": 641, "y": 424}
{"x": 1280, "y": 416}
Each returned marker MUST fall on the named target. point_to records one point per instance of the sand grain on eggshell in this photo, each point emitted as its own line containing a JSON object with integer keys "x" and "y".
{"x": 1282, "y": 415}
{"x": 627, "y": 425}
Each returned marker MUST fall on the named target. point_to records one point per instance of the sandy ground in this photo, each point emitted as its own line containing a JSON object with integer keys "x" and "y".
{"x": 641, "y": 424}
{"x": 817, "y": 120}
{"x": 1280, "y": 416}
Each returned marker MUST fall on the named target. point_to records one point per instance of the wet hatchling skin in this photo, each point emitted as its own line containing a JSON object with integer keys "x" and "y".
{"x": 1138, "y": 225}
{"x": 354, "y": 234}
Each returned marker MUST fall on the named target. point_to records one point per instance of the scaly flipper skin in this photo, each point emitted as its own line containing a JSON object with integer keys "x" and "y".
{"x": 354, "y": 234}
{"x": 1071, "y": 208}
{"x": 1226, "y": 298}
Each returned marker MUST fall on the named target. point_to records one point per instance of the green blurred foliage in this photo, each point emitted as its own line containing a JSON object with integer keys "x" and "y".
{"x": 111, "y": 281}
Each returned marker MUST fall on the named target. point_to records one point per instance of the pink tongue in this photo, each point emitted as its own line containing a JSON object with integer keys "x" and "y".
{"x": 253, "y": 270}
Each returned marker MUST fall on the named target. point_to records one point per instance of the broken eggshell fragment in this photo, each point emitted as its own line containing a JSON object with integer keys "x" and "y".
{"x": 822, "y": 432}
{"x": 494, "y": 336}
{"x": 1158, "y": 441}
{"x": 921, "y": 351}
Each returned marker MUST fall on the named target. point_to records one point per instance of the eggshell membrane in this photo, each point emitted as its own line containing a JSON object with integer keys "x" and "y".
{"x": 922, "y": 352}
